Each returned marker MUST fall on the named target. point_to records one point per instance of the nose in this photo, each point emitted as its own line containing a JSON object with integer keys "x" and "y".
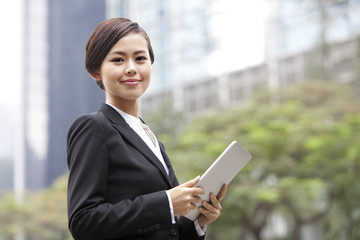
{"x": 130, "y": 68}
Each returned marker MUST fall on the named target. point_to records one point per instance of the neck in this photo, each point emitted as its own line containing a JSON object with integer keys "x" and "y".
{"x": 129, "y": 106}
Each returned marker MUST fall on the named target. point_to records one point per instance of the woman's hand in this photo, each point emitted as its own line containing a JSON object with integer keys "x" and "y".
{"x": 211, "y": 211}
{"x": 185, "y": 196}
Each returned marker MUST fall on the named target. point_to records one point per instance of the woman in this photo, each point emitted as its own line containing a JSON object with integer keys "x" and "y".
{"x": 121, "y": 182}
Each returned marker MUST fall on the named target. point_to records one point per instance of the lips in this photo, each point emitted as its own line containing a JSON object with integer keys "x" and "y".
{"x": 131, "y": 81}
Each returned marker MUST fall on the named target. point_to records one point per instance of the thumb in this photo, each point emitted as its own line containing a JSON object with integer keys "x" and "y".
{"x": 192, "y": 182}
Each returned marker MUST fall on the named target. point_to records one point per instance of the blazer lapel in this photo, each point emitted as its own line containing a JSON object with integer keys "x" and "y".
{"x": 173, "y": 179}
{"x": 127, "y": 132}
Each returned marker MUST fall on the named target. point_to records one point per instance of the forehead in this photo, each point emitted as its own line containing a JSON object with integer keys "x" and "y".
{"x": 131, "y": 42}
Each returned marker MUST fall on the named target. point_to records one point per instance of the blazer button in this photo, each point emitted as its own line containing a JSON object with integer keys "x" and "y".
{"x": 173, "y": 232}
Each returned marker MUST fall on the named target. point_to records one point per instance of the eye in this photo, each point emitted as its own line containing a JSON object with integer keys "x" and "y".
{"x": 141, "y": 58}
{"x": 117, "y": 60}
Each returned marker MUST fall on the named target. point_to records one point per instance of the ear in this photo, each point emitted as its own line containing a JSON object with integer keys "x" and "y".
{"x": 96, "y": 75}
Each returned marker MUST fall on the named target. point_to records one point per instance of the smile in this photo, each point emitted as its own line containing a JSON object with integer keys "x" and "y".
{"x": 131, "y": 81}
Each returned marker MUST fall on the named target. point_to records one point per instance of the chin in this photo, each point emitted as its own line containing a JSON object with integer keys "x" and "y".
{"x": 133, "y": 98}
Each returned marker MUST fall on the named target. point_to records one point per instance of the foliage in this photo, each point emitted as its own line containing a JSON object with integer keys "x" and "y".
{"x": 41, "y": 216}
{"x": 305, "y": 162}
{"x": 45, "y": 213}
{"x": 9, "y": 217}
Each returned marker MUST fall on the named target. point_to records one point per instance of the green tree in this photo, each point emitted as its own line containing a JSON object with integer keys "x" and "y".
{"x": 335, "y": 156}
{"x": 41, "y": 216}
{"x": 290, "y": 172}
{"x": 10, "y": 213}
{"x": 44, "y": 215}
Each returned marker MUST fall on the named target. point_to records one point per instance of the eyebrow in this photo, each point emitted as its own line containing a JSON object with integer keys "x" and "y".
{"x": 123, "y": 53}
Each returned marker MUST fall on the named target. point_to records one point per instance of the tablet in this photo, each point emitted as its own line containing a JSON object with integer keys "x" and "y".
{"x": 221, "y": 172}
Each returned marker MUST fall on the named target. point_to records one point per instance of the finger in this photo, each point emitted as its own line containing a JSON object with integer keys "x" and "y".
{"x": 222, "y": 193}
{"x": 193, "y": 206}
{"x": 191, "y": 183}
{"x": 215, "y": 202}
{"x": 209, "y": 215}
{"x": 204, "y": 211}
{"x": 196, "y": 199}
{"x": 197, "y": 191}
{"x": 208, "y": 209}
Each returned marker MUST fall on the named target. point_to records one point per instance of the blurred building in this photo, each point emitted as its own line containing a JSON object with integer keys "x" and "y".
{"x": 300, "y": 25}
{"x": 295, "y": 27}
{"x": 193, "y": 40}
{"x": 71, "y": 90}
{"x": 7, "y": 129}
{"x": 299, "y": 37}
{"x": 181, "y": 35}
{"x": 56, "y": 86}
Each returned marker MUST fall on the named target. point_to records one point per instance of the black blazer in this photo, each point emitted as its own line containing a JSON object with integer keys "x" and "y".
{"x": 116, "y": 187}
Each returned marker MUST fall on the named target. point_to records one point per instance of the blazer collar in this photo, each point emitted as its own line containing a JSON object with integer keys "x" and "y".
{"x": 127, "y": 132}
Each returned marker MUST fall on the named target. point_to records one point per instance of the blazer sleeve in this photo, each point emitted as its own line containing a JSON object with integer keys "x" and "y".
{"x": 187, "y": 229}
{"x": 90, "y": 215}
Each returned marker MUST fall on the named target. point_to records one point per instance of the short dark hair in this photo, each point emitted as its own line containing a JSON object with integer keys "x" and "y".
{"x": 105, "y": 36}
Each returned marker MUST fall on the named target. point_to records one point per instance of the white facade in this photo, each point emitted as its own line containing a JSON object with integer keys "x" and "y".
{"x": 196, "y": 39}
{"x": 32, "y": 130}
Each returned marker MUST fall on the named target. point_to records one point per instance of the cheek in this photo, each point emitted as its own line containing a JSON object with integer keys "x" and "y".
{"x": 147, "y": 71}
{"x": 112, "y": 72}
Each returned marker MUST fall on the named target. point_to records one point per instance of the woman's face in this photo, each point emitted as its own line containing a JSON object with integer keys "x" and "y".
{"x": 126, "y": 69}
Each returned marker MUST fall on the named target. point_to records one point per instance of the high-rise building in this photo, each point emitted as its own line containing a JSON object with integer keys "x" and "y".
{"x": 71, "y": 90}
{"x": 193, "y": 40}
{"x": 30, "y": 163}
{"x": 181, "y": 35}
{"x": 301, "y": 25}
{"x": 57, "y": 87}
{"x": 296, "y": 27}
